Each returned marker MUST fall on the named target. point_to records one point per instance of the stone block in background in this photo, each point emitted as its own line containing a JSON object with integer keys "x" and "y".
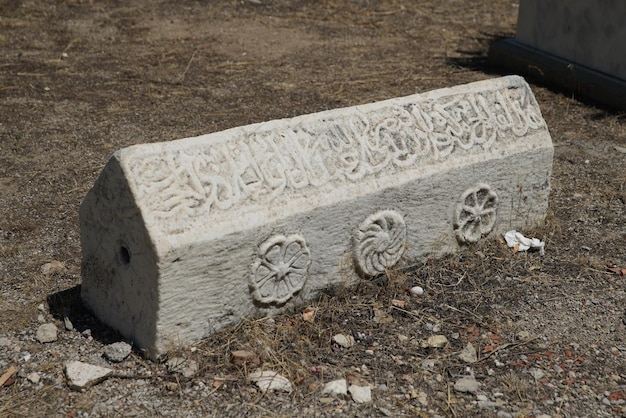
{"x": 578, "y": 45}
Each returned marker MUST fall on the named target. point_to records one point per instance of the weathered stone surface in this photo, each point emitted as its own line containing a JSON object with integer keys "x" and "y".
{"x": 182, "y": 238}
{"x": 587, "y": 32}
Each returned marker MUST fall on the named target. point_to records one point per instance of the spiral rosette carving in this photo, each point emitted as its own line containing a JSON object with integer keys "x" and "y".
{"x": 280, "y": 269}
{"x": 380, "y": 242}
{"x": 475, "y": 215}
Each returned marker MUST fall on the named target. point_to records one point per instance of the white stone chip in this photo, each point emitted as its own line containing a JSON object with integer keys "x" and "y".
{"x": 268, "y": 380}
{"x": 469, "y": 354}
{"x": 436, "y": 341}
{"x": 81, "y": 375}
{"x": 336, "y": 387}
{"x": 417, "y": 290}
{"x": 34, "y": 377}
{"x": 360, "y": 394}
{"x": 467, "y": 384}
{"x": 345, "y": 341}
{"x": 46, "y": 333}
{"x": 117, "y": 352}
{"x": 186, "y": 367}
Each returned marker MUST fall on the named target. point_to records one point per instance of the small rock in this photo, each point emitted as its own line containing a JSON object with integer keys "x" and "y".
{"x": 417, "y": 290}
{"x": 469, "y": 354}
{"x": 382, "y": 317}
{"x": 536, "y": 373}
{"x": 83, "y": 375}
{"x": 244, "y": 357}
{"x": 336, "y": 387}
{"x": 385, "y": 412}
{"x": 504, "y": 414}
{"x": 68, "y": 324}
{"x": 46, "y": 333}
{"x": 309, "y": 314}
{"x": 467, "y": 384}
{"x": 188, "y": 368}
{"x": 398, "y": 303}
{"x": 5, "y": 342}
{"x": 117, "y": 352}
{"x": 345, "y": 341}
{"x": 53, "y": 268}
{"x": 487, "y": 405}
{"x": 437, "y": 341}
{"x": 171, "y": 386}
{"x": 360, "y": 394}
{"x": 428, "y": 364}
{"x": 523, "y": 335}
{"x": 268, "y": 380}
{"x": 34, "y": 377}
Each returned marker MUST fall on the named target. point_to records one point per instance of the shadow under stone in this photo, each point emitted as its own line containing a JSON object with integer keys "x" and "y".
{"x": 68, "y": 304}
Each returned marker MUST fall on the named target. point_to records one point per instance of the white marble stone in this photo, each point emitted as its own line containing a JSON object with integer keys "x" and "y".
{"x": 182, "y": 238}
{"x": 587, "y": 32}
{"x": 81, "y": 375}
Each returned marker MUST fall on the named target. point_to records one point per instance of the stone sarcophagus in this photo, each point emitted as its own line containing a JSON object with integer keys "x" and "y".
{"x": 182, "y": 238}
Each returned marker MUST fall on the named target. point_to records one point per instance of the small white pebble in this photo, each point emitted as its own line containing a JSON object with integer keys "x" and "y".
{"x": 417, "y": 290}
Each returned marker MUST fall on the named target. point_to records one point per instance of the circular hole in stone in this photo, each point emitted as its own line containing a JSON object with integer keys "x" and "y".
{"x": 124, "y": 256}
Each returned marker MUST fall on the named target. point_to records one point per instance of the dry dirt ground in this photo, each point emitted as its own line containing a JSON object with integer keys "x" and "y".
{"x": 80, "y": 79}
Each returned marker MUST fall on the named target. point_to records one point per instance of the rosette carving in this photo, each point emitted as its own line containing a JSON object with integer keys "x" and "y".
{"x": 475, "y": 214}
{"x": 380, "y": 242}
{"x": 280, "y": 269}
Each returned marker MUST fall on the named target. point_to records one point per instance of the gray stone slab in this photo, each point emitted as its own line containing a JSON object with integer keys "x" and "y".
{"x": 574, "y": 45}
{"x": 586, "y": 32}
{"x": 182, "y": 238}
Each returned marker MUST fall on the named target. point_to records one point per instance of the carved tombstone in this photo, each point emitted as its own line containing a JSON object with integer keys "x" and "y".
{"x": 182, "y": 238}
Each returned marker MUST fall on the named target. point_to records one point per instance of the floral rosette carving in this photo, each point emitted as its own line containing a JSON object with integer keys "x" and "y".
{"x": 280, "y": 269}
{"x": 380, "y": 242}
{"x": 475, "y": 215}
